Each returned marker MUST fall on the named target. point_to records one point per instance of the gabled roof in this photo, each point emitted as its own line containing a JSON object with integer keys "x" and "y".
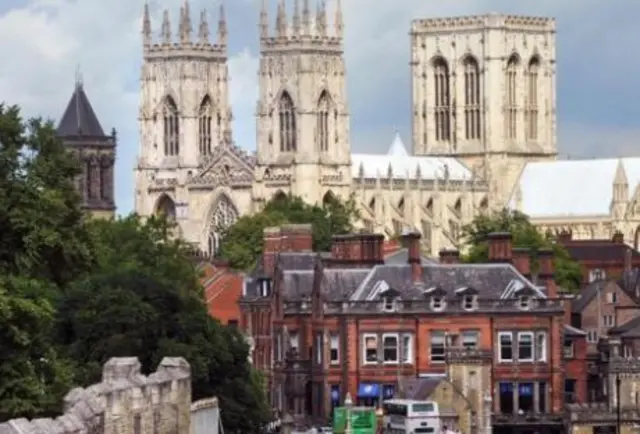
{"x": 404, "y": 165}
{"x": 79, "y": 119}
{"x": 590, "y": 292}
{"x": 572, "y": 187}
{"x": 630, "y": 329}
{"x": 571, "y": 331}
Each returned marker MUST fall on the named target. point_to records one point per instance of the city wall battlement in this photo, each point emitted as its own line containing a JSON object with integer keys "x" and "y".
{"x": 124, "y": 402}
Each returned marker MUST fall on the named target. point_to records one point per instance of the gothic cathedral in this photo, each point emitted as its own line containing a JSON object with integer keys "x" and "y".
{"x": 82, "y": 133}
{"x": 483, "y": 105}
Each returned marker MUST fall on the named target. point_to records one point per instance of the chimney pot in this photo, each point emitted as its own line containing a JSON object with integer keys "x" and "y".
{"x": 618, "y": 237}
{"x": 546, "y": 273}
{"x": 449, "y": 256}
{"x": 522, "y": 260}
{"x": 412, "y": 242}
{"x": 500, "y": 246}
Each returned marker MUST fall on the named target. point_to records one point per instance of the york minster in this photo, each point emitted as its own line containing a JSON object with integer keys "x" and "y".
{"x": 483, "y": 137}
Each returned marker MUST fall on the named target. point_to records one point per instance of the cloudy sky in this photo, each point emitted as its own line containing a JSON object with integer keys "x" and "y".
{"x": 43, "y": 41}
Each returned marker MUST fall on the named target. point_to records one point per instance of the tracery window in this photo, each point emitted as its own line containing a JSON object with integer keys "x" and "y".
{"x": 204, "y": 127}
{"x": 287, "y": 117}
{"x": 322, "y": 121}
{"x": 471, "y": 98}
{"x": 511, "y": 100}
{"x": 531, "y": 110}
{"x": 442, "y": 99}
{"x": 166, "y": 207}
{"x": 171, "y": 128}
{"x": 224, "y": 215}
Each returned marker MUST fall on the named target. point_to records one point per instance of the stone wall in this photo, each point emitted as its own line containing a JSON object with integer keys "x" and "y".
{"x": 125, "y": 402}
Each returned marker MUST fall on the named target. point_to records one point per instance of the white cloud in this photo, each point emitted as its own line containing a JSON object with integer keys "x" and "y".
{"x": 43, "y": 42}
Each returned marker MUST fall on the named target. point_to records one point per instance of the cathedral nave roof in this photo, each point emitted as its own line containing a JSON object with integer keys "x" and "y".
{"x": 571, "y": 188}
{"x": 402, "y": 164}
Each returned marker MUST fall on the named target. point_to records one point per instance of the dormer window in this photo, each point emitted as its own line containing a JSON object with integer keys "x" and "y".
{"x": 525, "y": 302}
{"x": 469, "y": 302}
{"x": 389, "y": 304}
{"x": 438, "y": 303}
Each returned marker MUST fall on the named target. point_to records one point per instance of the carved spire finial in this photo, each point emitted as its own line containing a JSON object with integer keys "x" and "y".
{"x": 165, "y": 33}
{"x": 296, "y": 17}
{"x": 281, "y": 20}
{"x": 203, "y": 30}
{"x": 146, "y": 26}
{"x": 222, "y": 26}
{"x": 264, "y": 20}
{"x": 321, "y": 19}
{"x": 185, "y": 23}
{"x": 306, "y": 17}
{"x": 339, "y": 20}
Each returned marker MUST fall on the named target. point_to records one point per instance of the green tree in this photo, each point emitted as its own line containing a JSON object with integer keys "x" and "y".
{"x": 242, "y": 243}
{"x": 43, "y": 246}
{"x": 525, "y": 234}
{"x": 144, "y": 299}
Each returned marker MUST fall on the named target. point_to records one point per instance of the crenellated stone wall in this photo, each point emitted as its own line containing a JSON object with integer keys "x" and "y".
{"x": 125, "y": 402}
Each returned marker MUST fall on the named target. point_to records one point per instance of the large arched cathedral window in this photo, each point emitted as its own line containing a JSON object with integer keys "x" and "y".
{"x": 224, "y": 215}
{"x": 287, "y": 118}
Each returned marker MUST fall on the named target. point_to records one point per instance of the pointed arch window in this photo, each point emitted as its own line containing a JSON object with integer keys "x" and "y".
{"x": 511, "y": 100}
{"x": 204, "y": 127}
{"x": 171, "y": 128}
{"x": 287, "y": 117}
{"x": 322, "y": 121}
{"x": 471, "y": 98}
{"x": 531, "y": 110}
{"x": 442, "y": 99}
{"x": 224, "y": 215}
{"x": 166, "y": 207}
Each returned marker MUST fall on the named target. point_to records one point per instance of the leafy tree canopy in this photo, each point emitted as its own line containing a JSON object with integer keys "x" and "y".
{"x": 242, "y": 243}
{"x": 144, "y": 299}
{"x": 43, "y": 247}
{"x": 525, "y": 234}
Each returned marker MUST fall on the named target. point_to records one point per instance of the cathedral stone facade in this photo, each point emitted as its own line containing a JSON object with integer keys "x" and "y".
{"x": 484, "y": 130}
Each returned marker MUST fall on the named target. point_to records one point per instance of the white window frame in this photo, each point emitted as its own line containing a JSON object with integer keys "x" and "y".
{"x": 511, "y": 342}
{"x": 294, "y": 341}
{"x": 568, "y": 350}
{"x": 525, "y": 302}
{"x": 406, "y": 348}
{"x": 318, "y": 348}
{"x": 540, "y": 351}
{"x": 472, "y": 299}
{"x": 438, "y": 303}
{"x": 444, "y": 346}
{"x": 476, "y": 339}
{"x": 592, "y": 336}
{"x": 531, "y": 335}
{"x": 612, "y": 297}
{"x": 628, "y": 353}
{"x": 389, "y": 304}
{"x": 395, "y": 336}
{"x": 607, "y": 320}
{"x": 366, "y": 336}
{"x": 334, "y": 344}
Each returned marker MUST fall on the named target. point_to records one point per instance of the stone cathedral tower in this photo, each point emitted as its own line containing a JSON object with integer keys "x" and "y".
{"x": 82, "y": 133}
{"x": 188, "y": 167}
{"x": 484, "y": 91}
{"x": 302, "y": 111}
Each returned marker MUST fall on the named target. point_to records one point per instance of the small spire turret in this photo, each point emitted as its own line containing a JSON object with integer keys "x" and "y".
{"x": 165, "y": 33}
{"x": 339, "y": 20}
{"x": 306, "y": 18}
{"x": 296, "y": 18}
{"x": 321, "y": 19}
{"x": 264, "y": 21}
{"x": 185, "y": 23}
{"x": 203, "y": 30}
{"x": 146, "y": 26}
{"x": 222, "y": 27}
{"x": 281, "y": 20}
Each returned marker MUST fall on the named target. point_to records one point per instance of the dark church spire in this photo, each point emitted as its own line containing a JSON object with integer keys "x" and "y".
{"x": 79, "y": 119}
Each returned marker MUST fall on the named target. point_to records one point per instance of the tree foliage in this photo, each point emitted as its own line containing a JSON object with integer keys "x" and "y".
{"x": 144, "y": 299}
{"x": 75, "y": 292}
{"x": 242, "y": 243}
{"x": 525, "y": 234}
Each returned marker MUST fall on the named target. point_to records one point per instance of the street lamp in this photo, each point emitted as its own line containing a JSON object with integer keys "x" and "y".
{"x": 618, "y": 418}
{"x": 348, "y": 403}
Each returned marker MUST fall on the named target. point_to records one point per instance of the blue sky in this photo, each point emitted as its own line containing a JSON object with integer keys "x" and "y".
{"x": 45, "y": 40}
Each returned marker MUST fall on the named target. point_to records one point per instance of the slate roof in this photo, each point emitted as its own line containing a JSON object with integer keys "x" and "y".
{"x": 630, "y": 282}
{"x": 589, "y": 292}
{"x": 573, "y": 331}
{"x": 401, "y": 256}
{"x": 79, "y": 119}
{"x": 598, "y": 250}
{"x": 630, "y": 329}
{"x": 420, "y": 388}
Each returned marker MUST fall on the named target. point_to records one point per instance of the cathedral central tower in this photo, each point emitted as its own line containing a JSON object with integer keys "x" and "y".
{"x": 302, "y": 112}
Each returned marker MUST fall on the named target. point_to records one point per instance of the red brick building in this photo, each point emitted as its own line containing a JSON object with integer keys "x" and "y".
{"x": 347, "y": 321}
{"x": 222, "y": 290}
{"x": 601, "y": 259}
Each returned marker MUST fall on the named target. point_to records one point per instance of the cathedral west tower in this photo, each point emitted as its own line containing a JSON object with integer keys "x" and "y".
{"x": 484, "y": 91}
{"x": 302, "y": 111}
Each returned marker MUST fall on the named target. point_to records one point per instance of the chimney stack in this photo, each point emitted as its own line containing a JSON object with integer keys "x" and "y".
{"x": 412, "y": 242}
{"x": 618, "y": 237}
{"x": 565, "y": 237}
{"x": 449, "y": 256}
{"x": 546, "y": 273}
{"x": 287, "y": 238}
{"x": 270, "y": 249}
{"x": 522, "y": 261}
{"x": 500, "y": 245}
{"x": 357, "y": 250}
